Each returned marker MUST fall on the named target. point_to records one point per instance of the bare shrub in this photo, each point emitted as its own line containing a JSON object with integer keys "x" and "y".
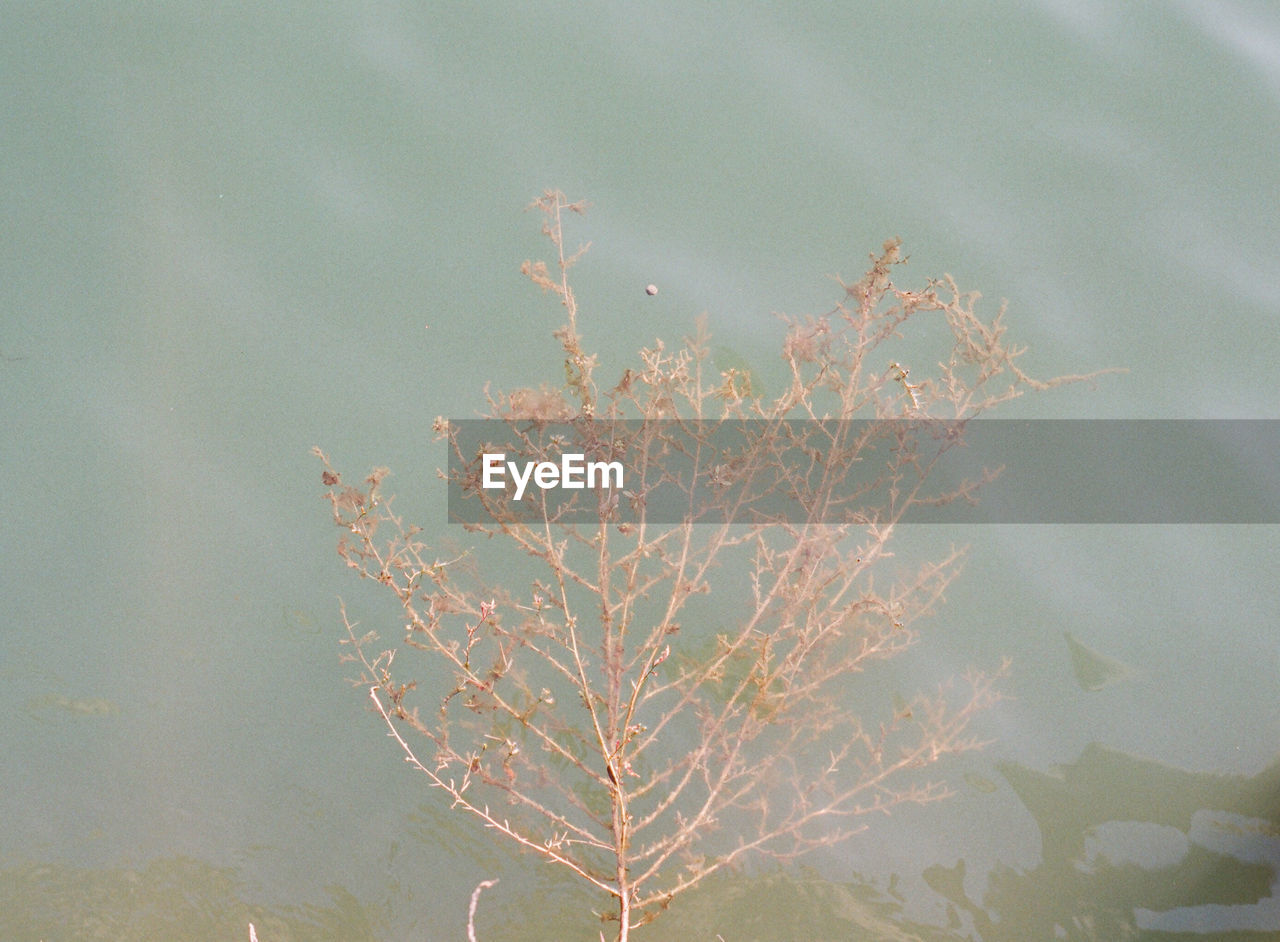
{"x": 661, "y": 700}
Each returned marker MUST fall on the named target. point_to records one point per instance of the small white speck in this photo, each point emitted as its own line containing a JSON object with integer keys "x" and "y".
{"x": 651, "y": 290}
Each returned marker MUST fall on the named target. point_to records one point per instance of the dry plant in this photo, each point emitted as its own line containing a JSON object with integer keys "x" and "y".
{"x": 661, "y": 700}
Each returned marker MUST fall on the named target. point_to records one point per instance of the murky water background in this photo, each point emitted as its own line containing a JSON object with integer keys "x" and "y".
{"x": 234, "y": 233}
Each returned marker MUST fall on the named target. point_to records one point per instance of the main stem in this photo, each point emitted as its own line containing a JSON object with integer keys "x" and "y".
{"x": 624, "y": 903}
{"x": 615, "y": 661}
{"x": 621, "y": 843}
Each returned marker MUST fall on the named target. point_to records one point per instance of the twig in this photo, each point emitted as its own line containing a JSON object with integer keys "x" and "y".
{"x": 475, "y": 900}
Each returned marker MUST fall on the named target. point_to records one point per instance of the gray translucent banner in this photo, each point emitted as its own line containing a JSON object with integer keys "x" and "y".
{"x": 905, "y": 471}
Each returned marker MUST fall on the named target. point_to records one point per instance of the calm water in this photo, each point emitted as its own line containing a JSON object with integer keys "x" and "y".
{"x": 232, "y": 234}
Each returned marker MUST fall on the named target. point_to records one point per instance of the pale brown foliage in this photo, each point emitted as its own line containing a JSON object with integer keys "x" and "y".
{"x": 638, "y": 715}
